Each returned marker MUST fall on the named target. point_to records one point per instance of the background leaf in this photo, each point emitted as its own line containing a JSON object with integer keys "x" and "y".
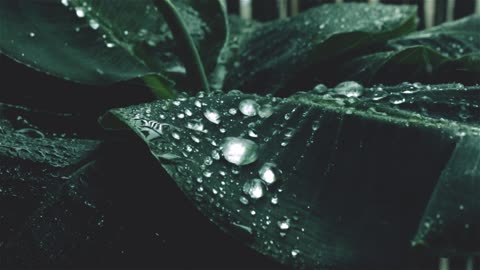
{"x": 100, "y": 42}
{"x": 284, "y": 54}
{"x": 314, "y": 181}
{"x": 443, "y": 54}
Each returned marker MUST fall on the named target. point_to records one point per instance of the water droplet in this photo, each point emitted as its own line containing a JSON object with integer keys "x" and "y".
{"x": 284, "y": 224}
{"x": 239, "y": 151}
{"x": 379, "y": 94}
{"x": 265, "y": 111}
{"x": 93, "y": 24}
{"x": 349, "y": 89}
{"x": 269, "y": 173}
{"x": 215, "y": 155}
{"x": 251, "y": 133}
{"x": 254, "y": 188}
{"x": 274, "y": 200}
{"x": 295, "y": 253}
{"x": 232, "y": 111}
{"x": 212, "y": 116}
{"x": 320, "y": 89}
{"x": 196, "y": 125}
{"x": 80, "y": 11}
{"x": 397, "y": 99}
{"x": 110, "y": 44}
{"x": 243, "y": 200}
{"x": 248, "y": 107}
{"x": 197, "y": 104}
{"x": 253, "y": 213}
{"x": 32, "y": 34}
{"x": 65, "y": 3}
{"x": 207, "y": 174}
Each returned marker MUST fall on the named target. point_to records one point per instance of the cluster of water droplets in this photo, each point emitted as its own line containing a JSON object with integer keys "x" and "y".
{"x": 217, "y": 148}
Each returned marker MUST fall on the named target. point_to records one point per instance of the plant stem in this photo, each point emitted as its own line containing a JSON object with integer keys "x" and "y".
{"x": 158, "y": 86}
{"x": 188, "y": 51}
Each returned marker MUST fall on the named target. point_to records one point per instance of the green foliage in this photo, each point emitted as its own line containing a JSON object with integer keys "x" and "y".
{"x": 344, "y": 177}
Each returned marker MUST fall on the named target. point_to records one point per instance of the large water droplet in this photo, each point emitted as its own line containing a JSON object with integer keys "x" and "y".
{"x": 349, "y": 89}
{"x": 212, "y": 116}
{"x": 239, "y": 151}
{"x": 254, "y": 188}
{"x": 248, "y": 107}
{"x": 397, "y": 99}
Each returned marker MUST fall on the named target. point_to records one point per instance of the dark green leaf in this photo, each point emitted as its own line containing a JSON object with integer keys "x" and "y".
{"x": 451, "y": 224}
{"x": 314, "y": 181}
{"x": 286, "y": 53}
{"x": 446, "y": 53}
{"x": 99, "y": 42}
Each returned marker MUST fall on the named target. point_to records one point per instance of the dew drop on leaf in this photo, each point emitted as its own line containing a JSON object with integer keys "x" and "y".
{"x": 248, "y": 107}
{"x": 254, "y": 188}
{"x": 268, "y": 173}
{"x": 239, "y": 151}
{"x": 212, "y": 116}
{"x": 349, "y": 89}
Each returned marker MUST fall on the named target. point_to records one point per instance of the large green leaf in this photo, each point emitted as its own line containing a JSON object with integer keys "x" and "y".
{"x": 102, "y": 41}
{"x": 446, "y": 53}
{"x": 332, "y": 181}
{"x": 285, "y": 53}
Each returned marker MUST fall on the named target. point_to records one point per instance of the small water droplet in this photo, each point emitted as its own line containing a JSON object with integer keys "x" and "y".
{"x": 295, "y": 253}
{"x": 284, "y": 224}
{"x": 265, "y": 111}
{"x": 239, "y": 151}
{"x": 80, "y": 11}
{"x": 212, "y": 116}
{"x": 254, "y": 188}
{"x": 64, "y": 2}
{"x": 397, "y": 99}
{"x": 93, "y": 24}
{"x": 320, "y": 89}
{"x": 349, "y": 89}
{"x": 269, "y": 173}
{"x": 274, "y": 200}
{"x": 243, "y": 200}
{"x": 110, "y": 44}
{"x": 32, "y": 34}
{"x": 207, "y": 174}
{"x": 253, "y": 213}
{"x": 248, "y": 107}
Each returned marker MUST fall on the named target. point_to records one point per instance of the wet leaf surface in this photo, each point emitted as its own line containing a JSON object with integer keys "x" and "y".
{"x": 332, "y": 179}
{"x": 283, "y": 55}
{"x": 100, "y": 42}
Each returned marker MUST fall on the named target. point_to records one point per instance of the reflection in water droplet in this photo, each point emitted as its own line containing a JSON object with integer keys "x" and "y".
{"x": 248, "y": 107}
{"x": 269, "y": 173}
{"x": 32, "y": 34}
{"x": 254, "y": 188}
{"x": 212, "y": 116}
{"x": 65, "y": 2}
{"x": 349, "y": 89}
{"x": 239, "y": 151}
